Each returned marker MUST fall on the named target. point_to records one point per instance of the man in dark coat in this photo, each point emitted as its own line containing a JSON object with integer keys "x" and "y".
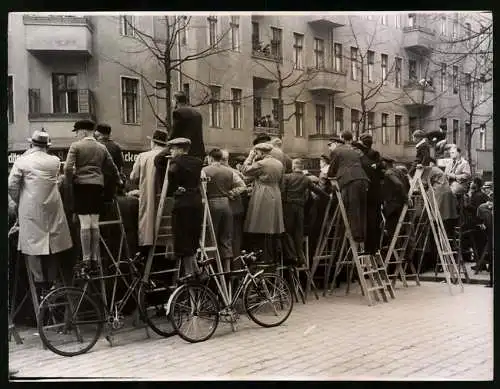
{"x": 184, "y": 177}
{"x": 372, "y": 163}
{"x": 423, "y": 150}
{"x": 347, "y": 170}
{"x": 187, "y": 123}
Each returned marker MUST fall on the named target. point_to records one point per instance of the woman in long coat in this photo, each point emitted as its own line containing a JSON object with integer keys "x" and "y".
{"x": 43, "y": 228}
{"x": 265, "y": 212}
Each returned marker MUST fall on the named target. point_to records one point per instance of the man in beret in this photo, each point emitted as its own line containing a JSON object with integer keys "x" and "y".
{"x": 346, "y": 168}
{"x": 188, "y": 123}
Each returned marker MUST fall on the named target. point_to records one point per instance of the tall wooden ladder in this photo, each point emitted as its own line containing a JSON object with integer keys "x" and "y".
{"x": 370, "y": 269}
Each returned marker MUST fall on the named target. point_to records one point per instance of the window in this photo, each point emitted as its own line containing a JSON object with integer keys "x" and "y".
{"x": 299, "y": 119}
{"x": 337, "y": 48}
{"x": 257, "y": 108}
{"x": 397, "y": 129}
{"x": 34, "y": 101}
{"x": 443, "y": 122}
{"x": 398, "y": 70}
{"x": 276, "y": 107}
{"x": 65, "y": 93}
{"x": 320, "y": 118}
{"x": 455, "y": 131}
{"x": 467, "y": 86}
{"x": 397, "y": 21}
{"x": 354, "y": 121}
{"x": 385, "y": 137}
{"x": 412, "y": 70}
{"x": 319, "y": 53}
{"x": 383, "y": 19}
{"x": 276, "y": 49}
{"x": 454, "y": 32}
{"x": 482, "y": 137}
{"x": 443, "y": 25}
{"x": 10, "y": 94}
{"x": 130, "y": 100}
{"x": 468, "y": 33}
{"x": 298, "y": 49}
{"x": 354, "y": 66}
{"x": 185, "y": 88}
{"x": 255, "y": 36}
{"x": 212, "y": 30}
{"x": 339, "y": 120}
{"x": 443, "y": 77}
{"x": 371, "y": 64}
{"x": 235, "y": 33}
{"x": 412, "y": 20}
{"x": 412, "y": 126}
{"x": 371, "y": 122}
{"x": 384, "y": 60}
{"x": 127, "y": 25}
{"x": 455, "y": 80}
{"x": 236, "y": 104}
{"x": 161, "y": 106}
{"x": 215, "y": 109}
{"x": 183, "y": 25}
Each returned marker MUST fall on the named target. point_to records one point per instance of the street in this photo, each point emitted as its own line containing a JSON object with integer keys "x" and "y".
{"x": 425, "y": 333}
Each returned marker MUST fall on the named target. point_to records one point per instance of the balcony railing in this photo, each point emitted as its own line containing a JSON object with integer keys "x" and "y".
{"x": 326, "y": 79}
{"x": 84, "y": 108}
{"x": 418, "y": 38}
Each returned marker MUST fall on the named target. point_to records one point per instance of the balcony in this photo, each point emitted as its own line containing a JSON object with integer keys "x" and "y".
{"x": 74, "y": 107}
{"x": 58, "y": 34}
{"x": 326, "y": 81}
{"x": 418, "y": 39}
{"x": 327, "y": 21}
{"x": 271, "y": 131}
{"x": 419, "y": 95}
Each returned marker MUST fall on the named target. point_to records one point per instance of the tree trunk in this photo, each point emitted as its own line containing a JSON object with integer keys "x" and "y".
{"x": 281, "y": 122}
{"x": 167, "y": 62}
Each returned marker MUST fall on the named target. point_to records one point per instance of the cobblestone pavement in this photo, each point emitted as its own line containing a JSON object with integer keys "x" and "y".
{"x": 425, "y": 333}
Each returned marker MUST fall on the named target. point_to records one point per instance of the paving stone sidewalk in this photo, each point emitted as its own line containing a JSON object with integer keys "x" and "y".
{"x": 425, "y": 333}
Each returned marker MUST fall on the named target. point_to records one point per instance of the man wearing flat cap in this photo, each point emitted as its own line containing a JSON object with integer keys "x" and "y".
{"x": 346, "y": 168}
{"x": 184, "y": 179}
{"x": 43, "y": 229}
{"x": 144, "y": 173}
{"x": 188, "y": 123}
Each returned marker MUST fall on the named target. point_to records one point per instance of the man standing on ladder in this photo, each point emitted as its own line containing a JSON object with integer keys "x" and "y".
{"x": 144, "y": 174}
{"x": 184, "y": 178}
{"x": 346, "y": 169}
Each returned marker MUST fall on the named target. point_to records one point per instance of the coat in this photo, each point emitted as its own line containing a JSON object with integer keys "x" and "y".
{"x": 265, "y": 212}
{"x": 445, "y": 199}
{"x": 395, "y": 190}
{"x": 345, "y": 165}
{"x": 144, "y": 172}
{"x": 461, "y": 169}
{"x": 43, "y": 228}
{"x": 187, "y": 123}
{"x": 277, "y": 153}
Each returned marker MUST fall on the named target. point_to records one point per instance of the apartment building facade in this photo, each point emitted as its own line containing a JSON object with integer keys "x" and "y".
{"x": 63, "y": 68}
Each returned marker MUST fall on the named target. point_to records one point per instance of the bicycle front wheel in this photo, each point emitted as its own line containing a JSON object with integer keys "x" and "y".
{"x": 69, "y": 321}
{"x": 153, "y": 299}
{"x": 268, "y": 300}
{"x": 194, "y": 312}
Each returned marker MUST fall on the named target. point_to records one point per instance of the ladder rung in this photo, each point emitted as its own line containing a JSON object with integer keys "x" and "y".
{"x": 109, "y": 222}
{"x": 373, "y": 288}
{"x": 163, "y": 253}
{"x": 164, "y": 271}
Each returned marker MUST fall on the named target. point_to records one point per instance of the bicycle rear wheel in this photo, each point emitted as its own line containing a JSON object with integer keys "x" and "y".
{"x": 153, "y": 299}
{"x": 194, "y": 312}
{"x": 268, "y": 300}
{"x": 70, "y": 321}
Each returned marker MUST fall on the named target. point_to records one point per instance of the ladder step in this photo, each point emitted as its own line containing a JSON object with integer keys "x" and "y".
{"x": 374, "y": 288}
{"x": 164, "y": 271}
{"x": 109, "y": 222}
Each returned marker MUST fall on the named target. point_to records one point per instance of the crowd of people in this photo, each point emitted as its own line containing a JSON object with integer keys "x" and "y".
{"x": 268, "y": 201}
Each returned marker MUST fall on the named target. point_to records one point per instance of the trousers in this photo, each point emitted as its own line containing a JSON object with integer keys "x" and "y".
{"x": 354, "y": 197}
{"x": 293, "y": 217}
{"x": 222, "y": 219}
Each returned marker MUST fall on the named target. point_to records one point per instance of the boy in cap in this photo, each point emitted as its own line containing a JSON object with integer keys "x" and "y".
{"x": 85, "y": 167}
{"x": 184, "y": 178}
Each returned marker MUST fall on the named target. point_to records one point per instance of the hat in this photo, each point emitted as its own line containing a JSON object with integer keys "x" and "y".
{"x": 388, "y": 159}
{"x": 84, "y": 125}
{"x": 159, "y": 137}
{"x": 179, "y": 142}
{"x": 261, "y": 138}
{"x": 365, "y": 136}
{"x": 264, "y": 147}
{"x": 40, "y": 138}
{"x": 336, "y": 139}
{"x": 419, "y": 134}
{"x": 103, "y": 128}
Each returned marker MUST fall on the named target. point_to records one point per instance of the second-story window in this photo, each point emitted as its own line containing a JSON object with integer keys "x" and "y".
{"x": 385, "y": 135}
{"x": 255, "y": 36}
{"x": 298, "y": 49}
{"x": 337, "y": 48}
{"x": 65, "y": 93}
{"x": 371, "y": 65}
{"x": 454, "y": 32}
{"x": 215, "y": 107}
{"x": 397, "y": 129}
{"x": 235, "y": 33}
{"x": 236, "y": 104}
{"x": 398, "y": 71}
{"x": 319, "y": 53}
{"x": 455, "y": 80}
{"x": 412, "y": 70}
{"x": 412, "y": 20}
{"x": 442, "y": 24}
{"x": 299, "y": 119}
{"x": 354, "y": 63}
{"x": 130, "y": 100}
{"x": 320, "y": 118}
{"x": 276, "y": 47}
{"x": 127, "y": 25}
{"x": 443, "y": 77}
{"x": 384, "y": 61}
{"x": 212, "y": 30}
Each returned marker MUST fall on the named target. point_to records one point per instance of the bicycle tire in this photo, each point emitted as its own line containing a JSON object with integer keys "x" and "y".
{"x": 81, "y": 300}
{"x": 149, "y": 298}
{"x": 256, "y": 288}
{"x": 178, "y": 307}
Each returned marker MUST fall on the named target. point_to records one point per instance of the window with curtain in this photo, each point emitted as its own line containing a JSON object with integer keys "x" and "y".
{"x": 339, "y": 120}
{"x": 298, "y": 49}
{"x": 385, "y": 135}
{"x": 319, "y": 53}
{"x": 130, "y": 100}
{"x": 299, "y": 119}
{"x": 354, "y": 63}
{"x": 215, "y": 107}
{"x": 337, "y": 47}
{"x": 236, "y": 108}
{"x": 65, "y": 93}
{"x": 397, "y": 129}
{"x": 320, "y": 118}
{"x": 371, "y": 65}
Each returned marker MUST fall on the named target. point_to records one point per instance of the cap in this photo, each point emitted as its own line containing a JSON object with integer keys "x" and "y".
{"x": 261, "y": 138}
{"x": 365, "y": 136}
{"x": 419, "y": 134}
{"x": 40, "y": 138}
{"x": 264, "y": 147}
{"x": 84, "y": 124}
{"x": 103, "y": 128}
{"x": 336, "y": 139}
{"x": 159, "y": 137}
{"x": 179, "y": 142}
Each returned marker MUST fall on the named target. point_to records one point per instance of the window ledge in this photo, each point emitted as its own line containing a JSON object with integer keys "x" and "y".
{"x": 216, "y": 127}
{"x": 131, "y": 124}
{"x": 237, "y": 128}
{"x": 485, "y": 150}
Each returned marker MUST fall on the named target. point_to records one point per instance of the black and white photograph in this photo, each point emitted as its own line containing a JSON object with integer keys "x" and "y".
{"x": 262, "y": 196}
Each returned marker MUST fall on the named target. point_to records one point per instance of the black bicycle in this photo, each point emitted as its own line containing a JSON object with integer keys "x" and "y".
{"x": 195, "y": 310}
